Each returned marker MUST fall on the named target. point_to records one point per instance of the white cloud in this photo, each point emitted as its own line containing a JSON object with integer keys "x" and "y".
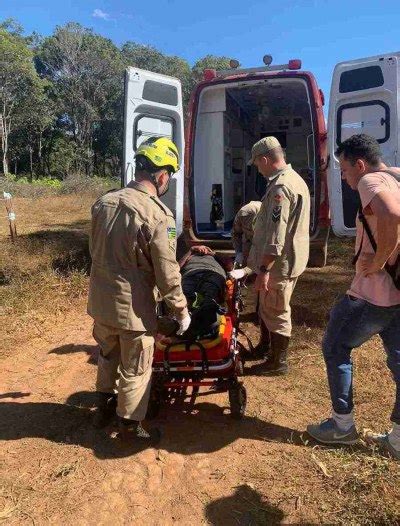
{"x": 98, "y": 13}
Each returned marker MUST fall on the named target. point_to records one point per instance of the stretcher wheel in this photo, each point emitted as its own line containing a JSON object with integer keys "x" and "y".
{"x": 237, "y": 400}
{"x": 239, "y": 367}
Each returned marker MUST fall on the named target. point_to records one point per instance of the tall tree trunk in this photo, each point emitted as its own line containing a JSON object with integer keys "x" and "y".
{"x": 31, "y": 161}
{"x": 5, "y": 163}
{"x": 4, "y": 143}
{"x": 40, "y": 153}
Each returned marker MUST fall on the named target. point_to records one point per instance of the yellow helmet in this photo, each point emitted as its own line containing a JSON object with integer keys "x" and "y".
{"x": 161, "y": 152}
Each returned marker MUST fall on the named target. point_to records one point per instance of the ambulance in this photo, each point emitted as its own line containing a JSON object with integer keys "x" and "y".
{"x": 230, "y": 110}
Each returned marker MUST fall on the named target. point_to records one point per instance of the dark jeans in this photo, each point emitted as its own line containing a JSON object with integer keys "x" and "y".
{"x": 210, "y": 285}
{"x": 352, "y": 322}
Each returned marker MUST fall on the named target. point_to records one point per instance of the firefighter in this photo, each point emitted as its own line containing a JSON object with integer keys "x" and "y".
{"x": 243, "y": 229}
{"x": 280, "y": 249}
{"x": 133, "y": 249}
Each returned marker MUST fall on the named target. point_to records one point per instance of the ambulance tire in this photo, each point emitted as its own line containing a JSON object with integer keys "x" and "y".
{"x": 237, "y": 400}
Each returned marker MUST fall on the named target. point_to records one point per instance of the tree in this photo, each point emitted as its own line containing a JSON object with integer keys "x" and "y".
{"x": 31, "y": 125}
{"x": 13, "y": 27}
{"x": 86, "y": 71}
{"x": 19, "y": 84}
{"x": 209, "y": 62}
{"x": 61, "y": 97}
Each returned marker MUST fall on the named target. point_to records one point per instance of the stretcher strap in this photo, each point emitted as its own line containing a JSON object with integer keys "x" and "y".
{"x": 206, "y": 343}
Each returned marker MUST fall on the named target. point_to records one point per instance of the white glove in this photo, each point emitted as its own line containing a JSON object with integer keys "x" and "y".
{"x": 183, "y": 325}
{"x": 239, "y": 258}
{"x": 238, "y": 273}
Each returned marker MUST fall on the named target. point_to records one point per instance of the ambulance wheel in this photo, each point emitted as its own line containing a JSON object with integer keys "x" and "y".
{"x": 237, "y": 400}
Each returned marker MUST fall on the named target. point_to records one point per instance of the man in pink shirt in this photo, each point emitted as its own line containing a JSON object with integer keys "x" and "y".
{"x": 372, "y": 304}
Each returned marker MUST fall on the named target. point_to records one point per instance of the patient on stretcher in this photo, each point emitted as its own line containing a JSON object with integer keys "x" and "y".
{"x": 203, "y": 278}
{"x": 203, "y": 283}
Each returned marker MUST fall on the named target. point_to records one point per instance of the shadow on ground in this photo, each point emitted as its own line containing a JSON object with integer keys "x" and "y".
{"x": 245, "y": 507}
{"x": 202, "y": 428}
{"x": 67, "y": 249}
{"x": 14, "y": 394}
{"x": 71, "y": 348}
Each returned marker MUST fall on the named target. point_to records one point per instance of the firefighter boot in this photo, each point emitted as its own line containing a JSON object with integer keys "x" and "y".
{"x": 106, "y": 410}
{"x": 132, "y": 431}
{"x": 263, "y": 349}
{"x": 277, "y": 364}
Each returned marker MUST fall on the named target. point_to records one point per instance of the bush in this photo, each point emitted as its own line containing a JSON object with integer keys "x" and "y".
{"x": 73, "y": 184}
{"x": 21, "y": 187}
{"x": 77, "y": 184}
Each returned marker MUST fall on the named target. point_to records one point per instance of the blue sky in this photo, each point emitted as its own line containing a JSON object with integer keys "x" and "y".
{"x": 321, "y": 33}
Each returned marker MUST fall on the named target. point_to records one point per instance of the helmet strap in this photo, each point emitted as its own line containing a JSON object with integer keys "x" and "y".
{"x": 155, "y": 182}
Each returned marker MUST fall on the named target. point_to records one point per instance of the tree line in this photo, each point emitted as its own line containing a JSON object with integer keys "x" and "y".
{"x": 61, "y": 98}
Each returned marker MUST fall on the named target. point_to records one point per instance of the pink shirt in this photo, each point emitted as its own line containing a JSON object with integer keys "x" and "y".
{"x": 377, "y": 288}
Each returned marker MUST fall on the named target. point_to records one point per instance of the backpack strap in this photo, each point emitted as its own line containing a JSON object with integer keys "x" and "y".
{"x": 366, "y": 228}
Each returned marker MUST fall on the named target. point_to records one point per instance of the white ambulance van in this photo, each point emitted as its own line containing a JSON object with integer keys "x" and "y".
{"x": 230, "y": 110}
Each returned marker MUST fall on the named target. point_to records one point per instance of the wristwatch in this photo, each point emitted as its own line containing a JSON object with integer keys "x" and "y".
{"x": 263, "y": 269}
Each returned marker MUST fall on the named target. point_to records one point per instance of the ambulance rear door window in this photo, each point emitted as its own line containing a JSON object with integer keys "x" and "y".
{"x": 360, "y": 79}
{"x": 162, "y": 93}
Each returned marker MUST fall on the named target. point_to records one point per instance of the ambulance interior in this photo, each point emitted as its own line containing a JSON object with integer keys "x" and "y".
{"x": 230, "y": 119}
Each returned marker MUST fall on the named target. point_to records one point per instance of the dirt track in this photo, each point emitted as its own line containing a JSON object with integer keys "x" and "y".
{"x": 208, "y": 469}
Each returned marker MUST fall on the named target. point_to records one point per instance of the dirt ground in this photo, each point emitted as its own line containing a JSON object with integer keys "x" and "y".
{"x": 208, "y": 469}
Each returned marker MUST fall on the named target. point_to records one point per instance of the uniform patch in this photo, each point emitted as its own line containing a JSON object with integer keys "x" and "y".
{"x": 278, "y": 195}
{"x": 171, "y": 232}
{"x": 276, "y": 213}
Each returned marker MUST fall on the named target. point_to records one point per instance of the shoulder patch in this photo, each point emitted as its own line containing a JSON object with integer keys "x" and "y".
{"x": 171, "y": 232}
{"x": 276, "y": 213}
{"x": 278, "y": 195}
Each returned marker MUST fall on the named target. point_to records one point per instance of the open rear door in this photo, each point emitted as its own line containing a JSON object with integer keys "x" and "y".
{"x": 363, "y": 100}
{"x": 153, "y": 107}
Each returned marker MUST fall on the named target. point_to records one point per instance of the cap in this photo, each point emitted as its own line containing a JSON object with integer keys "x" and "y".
{"x": 263, "y": 146}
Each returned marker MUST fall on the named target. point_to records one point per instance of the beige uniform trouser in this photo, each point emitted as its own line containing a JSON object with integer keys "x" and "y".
{"x": 124, "y": 367}
{"x": 274, "y": 306}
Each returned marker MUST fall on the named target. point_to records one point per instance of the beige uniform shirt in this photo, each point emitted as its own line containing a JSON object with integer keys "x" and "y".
{"x": 282, "y": 225}
{"x": 243, "y": 227}
{"x": 133, "y": 245}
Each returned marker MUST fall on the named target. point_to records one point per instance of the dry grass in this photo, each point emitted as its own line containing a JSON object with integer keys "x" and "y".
{"x": 44, "y": 273}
